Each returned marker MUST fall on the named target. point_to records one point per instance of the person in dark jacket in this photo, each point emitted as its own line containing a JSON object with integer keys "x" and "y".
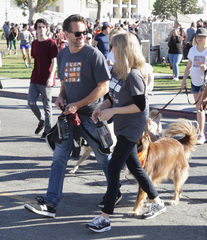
{"x": 175, "y": 52}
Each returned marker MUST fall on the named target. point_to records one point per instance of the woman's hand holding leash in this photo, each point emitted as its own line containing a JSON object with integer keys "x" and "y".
{"x": 183, "y": 85}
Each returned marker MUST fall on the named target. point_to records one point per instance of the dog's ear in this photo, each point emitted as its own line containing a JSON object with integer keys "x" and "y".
{"x": 143, "y": 142}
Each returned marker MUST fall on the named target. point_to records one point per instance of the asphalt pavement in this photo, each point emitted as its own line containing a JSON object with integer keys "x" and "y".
{"x": 24, "y": 171}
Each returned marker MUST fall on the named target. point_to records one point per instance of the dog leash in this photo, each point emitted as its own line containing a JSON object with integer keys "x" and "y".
{"x": 202, "y": 89}
{"x": 167, "y": 104}
{"x": 186, "y": 91}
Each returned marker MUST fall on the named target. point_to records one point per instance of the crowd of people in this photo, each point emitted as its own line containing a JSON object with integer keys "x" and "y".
{"x": 95, "y": 63}
{"x": 87, "y": 76}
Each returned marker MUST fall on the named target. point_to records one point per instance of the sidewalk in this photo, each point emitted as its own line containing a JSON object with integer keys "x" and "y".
{"x": 179, "y": 107}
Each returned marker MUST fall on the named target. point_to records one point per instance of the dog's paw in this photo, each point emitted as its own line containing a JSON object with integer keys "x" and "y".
{"x": 173, "y": 202}
{"x": 133, "y": 213}
{"x": 73, "y": 171}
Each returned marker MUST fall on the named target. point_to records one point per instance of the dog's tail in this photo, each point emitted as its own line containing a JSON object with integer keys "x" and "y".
{"x": 186, "y": 132}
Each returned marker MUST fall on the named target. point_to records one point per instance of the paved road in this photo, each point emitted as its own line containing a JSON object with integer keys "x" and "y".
{"x": 24, "y": 171}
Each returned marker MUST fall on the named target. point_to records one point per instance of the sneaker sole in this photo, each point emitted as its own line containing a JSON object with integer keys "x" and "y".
{"x": 42, "y": 139}
{"x": 99, "y": 230}
{"x": 31, "y": 209}
{"x": 155, "y": 215}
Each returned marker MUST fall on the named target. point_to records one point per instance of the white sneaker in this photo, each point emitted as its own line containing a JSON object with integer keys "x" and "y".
{"x": 26, "y": 65}
{"x": 176, "y": 79}
{"x": 99, "y": 224}
{"x": 200, "y": 140}
{"x": 154, "y": 210}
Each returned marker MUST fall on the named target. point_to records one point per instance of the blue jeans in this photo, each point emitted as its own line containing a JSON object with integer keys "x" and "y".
{"x": 62, "y": 154}
{"x": 175, "y": 60}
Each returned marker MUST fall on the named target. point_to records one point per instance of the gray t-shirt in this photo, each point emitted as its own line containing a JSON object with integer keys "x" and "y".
{"x": 81, "y": 72}
{"x": 122, "y": 91}
{"x": 25, "y": 36}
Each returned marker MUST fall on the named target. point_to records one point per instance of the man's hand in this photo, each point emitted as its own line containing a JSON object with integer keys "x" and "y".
{"x": 59, "y": 103}
{"x": 71, "y": 108}
{"x": 49, "y": 82}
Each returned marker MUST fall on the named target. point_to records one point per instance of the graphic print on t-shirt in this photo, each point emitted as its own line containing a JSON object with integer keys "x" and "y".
{"x": 72, "y": 72}
{"x": 198, "y": 60}
{"x": 114, "y": 87}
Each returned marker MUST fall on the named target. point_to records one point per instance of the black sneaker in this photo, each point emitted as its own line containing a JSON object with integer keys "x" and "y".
{"x": 99, "y": 224}
{"x": 41, "y": 208}
{"x": 118, "y": 199}
{"x": 43, "y": 137}
{"x": 154, "y": 210}
{"x": 40, "y": 126}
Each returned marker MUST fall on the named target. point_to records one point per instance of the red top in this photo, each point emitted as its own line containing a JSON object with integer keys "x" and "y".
{"x": 43, "y": 53}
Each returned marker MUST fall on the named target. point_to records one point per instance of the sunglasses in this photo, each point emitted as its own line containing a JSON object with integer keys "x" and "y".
{"x": 78, "y": 34}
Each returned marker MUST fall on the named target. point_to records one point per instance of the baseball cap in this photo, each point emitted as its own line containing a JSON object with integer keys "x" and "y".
{"x": 201, "y": 32}
{"x": 59, "y": 27}
{"x": 89, "y": 35}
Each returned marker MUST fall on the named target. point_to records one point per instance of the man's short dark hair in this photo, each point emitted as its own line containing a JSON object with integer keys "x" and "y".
{"x": 105, "y": 26}
{"x": 72, "y": 18}
{"x": 40, "y": 20}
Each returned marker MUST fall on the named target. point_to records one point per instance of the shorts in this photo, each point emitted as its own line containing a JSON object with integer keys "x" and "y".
{"x": 27, "y": 46}
{"x": 195, "y": 89}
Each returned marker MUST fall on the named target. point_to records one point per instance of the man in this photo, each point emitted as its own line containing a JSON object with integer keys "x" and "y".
{"x": 7, "y": 28}
{"x": 101, "y": 40}
{"x": 84, "y": 75}
{"x": 189, "y": 38}
{"x": 44, "y": 52}
{"x": 89, "y": 39}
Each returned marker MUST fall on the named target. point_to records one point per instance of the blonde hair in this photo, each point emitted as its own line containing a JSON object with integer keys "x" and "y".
{"x": 196, "y": 43}
{"x": 128, "y": 54}
{"x": 115, "y": 31}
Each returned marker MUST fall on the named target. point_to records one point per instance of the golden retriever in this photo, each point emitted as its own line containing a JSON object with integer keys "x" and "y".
{"x": 167, "y": 158}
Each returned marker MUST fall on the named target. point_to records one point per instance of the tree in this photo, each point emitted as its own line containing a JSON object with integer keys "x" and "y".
{"x": 34, "y": 6}
{"x": 99, "y": 2}
{"x": 171, "y": 7}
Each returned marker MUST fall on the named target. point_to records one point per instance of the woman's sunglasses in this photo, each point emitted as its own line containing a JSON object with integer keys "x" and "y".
{"x": 78, "y": 34}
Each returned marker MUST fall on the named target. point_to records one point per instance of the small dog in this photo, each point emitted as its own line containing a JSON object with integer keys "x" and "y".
{"x": 163, "y": 60}
{"x": 153, "y": 124}
{"x": 167, "y": 158}
{"x": 87, "y": 150}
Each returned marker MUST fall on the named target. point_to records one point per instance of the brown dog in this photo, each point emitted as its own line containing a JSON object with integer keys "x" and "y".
{"x": 167, "y": 158}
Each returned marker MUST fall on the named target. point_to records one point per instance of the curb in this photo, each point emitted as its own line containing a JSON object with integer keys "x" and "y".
{"x": 176, "y": 113}
{"x": 19, "y": 95}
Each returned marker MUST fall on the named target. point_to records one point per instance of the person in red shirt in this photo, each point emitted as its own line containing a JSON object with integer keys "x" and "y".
{"x": 60, "y": 38}
{"x": 44, "y": 52}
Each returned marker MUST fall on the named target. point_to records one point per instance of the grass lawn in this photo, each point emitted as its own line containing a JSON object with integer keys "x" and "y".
{"x": 13, "y": 67}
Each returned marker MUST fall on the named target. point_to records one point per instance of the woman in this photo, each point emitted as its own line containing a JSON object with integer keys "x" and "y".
{"x": 110, "y": 57}
{"x": 26, "y": 37}
{"x": 127, "y": 89}
{"x": 60, "y": 38}
{"x": 175, "y": 52}
{"x": 13, "y": 33}
{"x": 196, "y": 66}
